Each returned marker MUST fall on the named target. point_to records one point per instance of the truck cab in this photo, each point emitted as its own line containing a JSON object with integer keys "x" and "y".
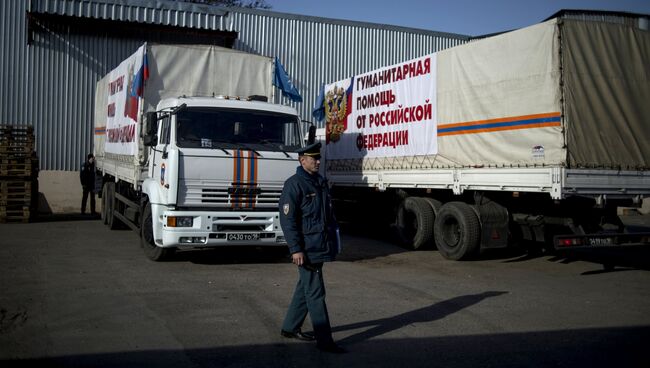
{"x": 214, "y": 172}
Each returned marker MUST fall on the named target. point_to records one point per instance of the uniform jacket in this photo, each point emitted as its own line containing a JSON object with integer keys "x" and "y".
{"x": 87, "y": 175}
{"x": 307, "y": 218}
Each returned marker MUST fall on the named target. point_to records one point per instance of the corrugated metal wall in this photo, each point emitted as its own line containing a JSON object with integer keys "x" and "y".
{"x": 50, "y": 83}
{"x": 316, "y": 50}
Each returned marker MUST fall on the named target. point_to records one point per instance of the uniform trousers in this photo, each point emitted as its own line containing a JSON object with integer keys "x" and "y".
{"x": 87, "y": 191}
{"x": 309, "y": 296}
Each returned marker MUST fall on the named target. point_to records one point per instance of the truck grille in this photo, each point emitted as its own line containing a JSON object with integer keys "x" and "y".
{"x": 246, "y": 197}
{"x": 241, "y": 223}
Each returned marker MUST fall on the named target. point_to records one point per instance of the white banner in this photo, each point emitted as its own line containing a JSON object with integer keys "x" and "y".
{"x": 388, "y": 112}
{"x": 123, "y": 104}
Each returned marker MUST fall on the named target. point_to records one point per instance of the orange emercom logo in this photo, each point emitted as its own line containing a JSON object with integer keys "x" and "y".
{"x": 244, "y": 191}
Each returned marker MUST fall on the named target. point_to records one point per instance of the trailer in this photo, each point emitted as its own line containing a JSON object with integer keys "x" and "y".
{"x": 191, "y": 153}
{"x": 526, "y": 135}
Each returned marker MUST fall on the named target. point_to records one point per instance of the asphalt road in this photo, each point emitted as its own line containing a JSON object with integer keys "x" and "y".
{"x": 74, "y": 294}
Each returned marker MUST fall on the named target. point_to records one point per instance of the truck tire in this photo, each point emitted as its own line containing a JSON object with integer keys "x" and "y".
{"x": 104, "y": 203}
{"x": 434, "y": 203}
{"x": 110, "y": 204}
{"x": 151, "y": 250}
{"x": 112, "y": 221}
{"x": 457, "y": 231}
{"x": 414, "y": 222}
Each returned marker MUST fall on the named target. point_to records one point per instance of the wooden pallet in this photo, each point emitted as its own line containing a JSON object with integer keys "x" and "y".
{"x": 14, "y": 213}
{"x": 22, "y": 150}
{"x": 16, "y": 140}
{"x": 12, "y": 186}
{"x": 16, "y": 170}
{"x": 11, "y": 144}
{"x": 16, "y": 192}
{"x": 11, "y": 129}
{"x": 15, "y": 166}
{"x": 31, "y": 159}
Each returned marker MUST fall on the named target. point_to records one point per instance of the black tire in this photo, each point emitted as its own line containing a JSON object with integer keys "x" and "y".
{"x": 151, "y": 250}
{"x": 104, "y": 203}
{"x": 110, "y": 205}
{"x": 414, "y": 223}
{"x": 112, "y": 221}
{"x": 457, "y": 231}
{"x": 434, "y": 203}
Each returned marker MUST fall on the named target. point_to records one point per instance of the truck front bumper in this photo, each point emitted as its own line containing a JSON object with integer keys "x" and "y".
{"x": 198, "y": 229}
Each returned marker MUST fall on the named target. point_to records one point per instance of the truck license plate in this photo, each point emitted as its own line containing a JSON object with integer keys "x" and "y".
{"x": 243, "y": 236}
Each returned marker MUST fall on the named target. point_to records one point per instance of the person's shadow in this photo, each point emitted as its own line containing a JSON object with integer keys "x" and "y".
{"x": 427, "y": 314}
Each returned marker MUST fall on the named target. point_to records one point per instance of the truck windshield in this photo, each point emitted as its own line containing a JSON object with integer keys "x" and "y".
{"x": 236, "y": 128}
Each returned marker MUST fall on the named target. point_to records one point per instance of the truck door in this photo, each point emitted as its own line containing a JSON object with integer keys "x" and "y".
{"x": 165, "y": 163}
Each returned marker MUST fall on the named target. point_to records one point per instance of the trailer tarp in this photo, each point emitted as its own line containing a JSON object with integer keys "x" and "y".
{"x": 562, "y": 93}
{"x": 499, "y": 100}
{"x": 607, "y": 94}
{"x": 199, "y": 70}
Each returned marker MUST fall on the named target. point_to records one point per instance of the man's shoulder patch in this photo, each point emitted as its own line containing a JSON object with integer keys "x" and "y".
{"x": 285, "y": 209}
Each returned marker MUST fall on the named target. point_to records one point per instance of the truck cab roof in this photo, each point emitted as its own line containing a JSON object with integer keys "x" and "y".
{"x": 225, "y": 102}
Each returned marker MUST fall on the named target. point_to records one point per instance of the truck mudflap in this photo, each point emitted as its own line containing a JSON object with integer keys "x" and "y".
{"x": 195, "y": 229}
{"x": 599, "y": 241}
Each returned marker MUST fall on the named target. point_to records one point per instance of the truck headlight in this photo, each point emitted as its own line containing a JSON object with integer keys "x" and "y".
{"x": 180, "y": 221}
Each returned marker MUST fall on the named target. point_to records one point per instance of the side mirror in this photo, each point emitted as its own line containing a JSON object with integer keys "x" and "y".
{"x": 311, "y": 137}
{"x": 150, "y": 123}
{"x": 150, "y": 140}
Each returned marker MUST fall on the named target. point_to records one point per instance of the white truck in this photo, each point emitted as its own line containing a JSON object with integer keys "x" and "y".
{"x": 538, "y": 134}
{"x": 190, "y": 152}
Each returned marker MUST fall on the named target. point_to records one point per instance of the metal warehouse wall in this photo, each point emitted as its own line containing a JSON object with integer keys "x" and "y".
{"x": 48, "y": 76}
{"x": 318, "y": 50}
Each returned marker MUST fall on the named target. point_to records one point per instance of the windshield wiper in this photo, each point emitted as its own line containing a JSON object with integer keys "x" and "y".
{"x": 277, "y": 146}
{"x": 248, "y": 147}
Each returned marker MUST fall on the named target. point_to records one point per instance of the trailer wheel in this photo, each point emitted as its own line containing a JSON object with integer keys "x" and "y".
{"x": 151, "y": 250}
{"x": 110, "y": 204}
{"x": 414, "y": 222}
{"x": 104, "y": 202}
{"x": 434, "y": 203}
{"x": 457, "y": 231}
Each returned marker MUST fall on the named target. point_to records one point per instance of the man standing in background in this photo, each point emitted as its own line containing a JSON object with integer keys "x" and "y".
{"x": 87, "y": 178}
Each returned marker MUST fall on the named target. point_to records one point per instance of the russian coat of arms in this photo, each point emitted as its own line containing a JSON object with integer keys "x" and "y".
{"x": 336, "y": 101}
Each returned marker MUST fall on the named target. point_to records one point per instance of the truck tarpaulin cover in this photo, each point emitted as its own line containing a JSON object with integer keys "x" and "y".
{"x": 607, "y": 79}
{"x": 492, "y": 102}
{"x": 173, "y": 71}
{"x": 201, "y": 70}
{"x": 499, "y": 101}
{"x": 571, "y": 94}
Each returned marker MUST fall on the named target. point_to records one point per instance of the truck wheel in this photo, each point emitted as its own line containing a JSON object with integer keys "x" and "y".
{"x": 414, "y": 222}
{"x": 112, "y": 221}
{"x": 457, "y": 231}
{"x": 151, "y": 250}
{"x": 104, "y": 204}
{"x": 434, "y": 203}
{"x": 110, "y": 204}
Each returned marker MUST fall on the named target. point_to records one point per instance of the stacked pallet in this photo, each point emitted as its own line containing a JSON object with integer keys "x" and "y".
{"x": 18, "y": 174}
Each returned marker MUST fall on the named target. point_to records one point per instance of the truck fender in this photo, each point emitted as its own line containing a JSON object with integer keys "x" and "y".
{"x": 151, "y": 194}
{"x": 151, "y": 188}
{"x": 494, "y": 220}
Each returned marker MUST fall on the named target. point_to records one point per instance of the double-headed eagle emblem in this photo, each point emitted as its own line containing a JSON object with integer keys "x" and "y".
{"x": 336, "y": 101}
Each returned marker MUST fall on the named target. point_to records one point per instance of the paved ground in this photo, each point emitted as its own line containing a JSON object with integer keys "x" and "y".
{"x": 75, "y": 294}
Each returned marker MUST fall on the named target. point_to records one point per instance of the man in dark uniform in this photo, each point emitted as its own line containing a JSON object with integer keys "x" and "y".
{"x": 309, "y": 227}
{"x": 87, "y": 178}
